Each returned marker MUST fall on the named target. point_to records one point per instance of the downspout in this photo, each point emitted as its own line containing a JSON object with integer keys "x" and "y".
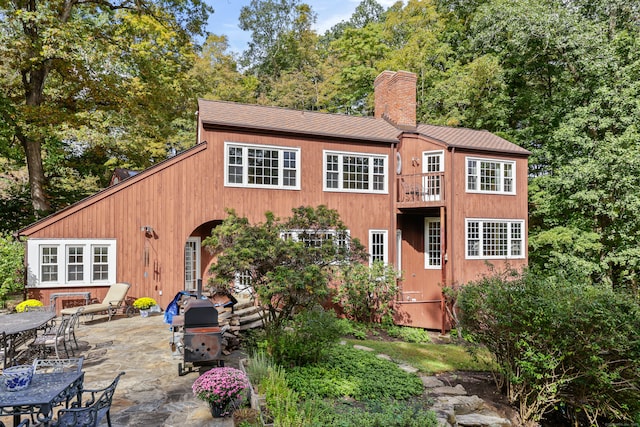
{"x": 392, "y": 205}
{"x": 450, "y": 230}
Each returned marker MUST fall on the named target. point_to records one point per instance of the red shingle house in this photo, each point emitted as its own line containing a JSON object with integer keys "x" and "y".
{"x": 437, "y": 202}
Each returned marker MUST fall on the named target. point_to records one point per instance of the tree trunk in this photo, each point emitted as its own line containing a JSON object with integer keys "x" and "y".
{"x": 33, "y": 83}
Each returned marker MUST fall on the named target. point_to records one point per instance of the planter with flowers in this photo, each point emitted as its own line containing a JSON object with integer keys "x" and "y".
{"x": 28, "y": 303}
{"x": 224, "y": 389}
{"x": 146, "y": 306}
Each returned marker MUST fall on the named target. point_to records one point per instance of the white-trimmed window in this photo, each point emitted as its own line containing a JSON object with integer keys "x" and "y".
{"x": 71, "y": 262}
{"x": 315, "y": 238}
{"x": 261, "y": 166}
{"x": 243, "y": 283}
{"x": 493, "y": 238}
{"x": 490, "y": 176}
{"x": 432, "y": 243}
{"x": 355, "y": 172}
{"x": 75, "y": 263}
{"x": 378, "y": 246}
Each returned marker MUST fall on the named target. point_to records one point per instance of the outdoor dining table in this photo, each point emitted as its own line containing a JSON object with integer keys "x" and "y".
{"x": 17, "y": 328}
{"x": 45, "y": 392}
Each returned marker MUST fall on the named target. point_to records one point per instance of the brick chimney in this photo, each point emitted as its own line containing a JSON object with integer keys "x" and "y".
{"x": 395, "y": 98}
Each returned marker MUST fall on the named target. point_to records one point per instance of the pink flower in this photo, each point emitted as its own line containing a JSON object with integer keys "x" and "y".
{"x": 220, "y": 386}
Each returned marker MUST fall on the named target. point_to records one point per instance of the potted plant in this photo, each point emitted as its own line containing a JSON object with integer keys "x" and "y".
{"x": 145, "y": 305}
{"x": 222, "y": 388}
{"x": 28, "y": 303}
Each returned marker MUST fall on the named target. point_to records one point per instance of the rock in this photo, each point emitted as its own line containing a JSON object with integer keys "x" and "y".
{"x": 363, "y": 348}
{"x": 462, "y": 405}
{"x": 431, "y": 382}
{"x": 457, "y": 390}
{"x": 481, "y": 420}
{"x": 384, "y": 357}
{"x": 408, "y": 368}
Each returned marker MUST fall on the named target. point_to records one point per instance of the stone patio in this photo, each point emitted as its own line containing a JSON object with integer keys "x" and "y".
{"x": 150, "y": 393}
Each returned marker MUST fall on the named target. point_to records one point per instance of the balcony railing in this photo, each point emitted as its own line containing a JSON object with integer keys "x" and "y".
{"x": 421, "y": 189}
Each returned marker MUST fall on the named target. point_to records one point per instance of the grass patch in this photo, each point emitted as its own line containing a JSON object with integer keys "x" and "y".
{"x": 430, "y": 358}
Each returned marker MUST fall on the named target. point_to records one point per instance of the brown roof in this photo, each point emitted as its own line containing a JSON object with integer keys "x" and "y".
{"x": 470, "y": 139}
{"x": 251, "y": 116}
{"x": 276, "y": 119}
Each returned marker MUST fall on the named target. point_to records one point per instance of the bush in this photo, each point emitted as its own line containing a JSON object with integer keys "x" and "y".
{"x": 258, "y": 367}
{"x": 354, "y": 373}
{"x": 284, "y": 405}
{"x": 386, "y": 413}
{"x": 558, "y": 344}
{"x": 11, "y": 266}
{"x": 408, "y": 334}
{"x": 366, "y": 293}
{"x": 305, "y": 337}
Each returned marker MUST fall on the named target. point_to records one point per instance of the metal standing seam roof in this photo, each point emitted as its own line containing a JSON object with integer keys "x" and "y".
{"x": 470, "y": 139}
{"x": 251, "y": 116}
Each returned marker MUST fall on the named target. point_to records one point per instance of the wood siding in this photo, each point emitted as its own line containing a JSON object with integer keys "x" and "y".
{"x": 185, "y": 196}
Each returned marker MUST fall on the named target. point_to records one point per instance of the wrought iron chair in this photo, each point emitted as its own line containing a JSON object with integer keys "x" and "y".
{"x": 94, "y": 407}
{"x": 53, "y": 339}
{"x": 44, "y": 366}
{"x": 70, "y": 332}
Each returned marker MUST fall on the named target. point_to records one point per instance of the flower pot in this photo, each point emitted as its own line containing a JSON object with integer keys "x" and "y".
{"x": 219, "y": 410}
{"x": 17, "y": 377}
{"x": 144, "y": 313}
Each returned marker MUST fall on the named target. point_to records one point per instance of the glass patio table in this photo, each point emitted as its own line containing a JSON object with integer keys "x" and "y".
{"x": 45, "y": 392}
{"x": 17, "y": 328}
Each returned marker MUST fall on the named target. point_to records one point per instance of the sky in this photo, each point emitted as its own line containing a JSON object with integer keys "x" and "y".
{"x": 225, "y": 18}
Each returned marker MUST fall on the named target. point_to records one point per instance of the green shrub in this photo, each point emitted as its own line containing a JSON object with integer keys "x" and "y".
{"x": 350, "y": 327}
{"x": 284, "y": 406}
{"x": 366, "y": 293}
{"x": 305, "y": 337}
{"x": 558, "y": 343}
{"x": 349, "y": 372}
{"x": 11, "y": 266}
{"x": 258, "y": 366}
{"x": 385, "y": 413}
{"x": 408, "y": 334}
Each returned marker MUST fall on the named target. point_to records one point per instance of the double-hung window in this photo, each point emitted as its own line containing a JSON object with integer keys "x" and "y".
{"x": 261, "y": 166}
{"x": 71, "y": 262}
{"x": 494, "y": 238}
{"x": 355, "y": 172}
{"x": 490, "y": 176}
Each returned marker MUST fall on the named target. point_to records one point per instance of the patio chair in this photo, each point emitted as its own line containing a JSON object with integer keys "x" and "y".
{"x": 53, "y": 339}
{"x": 70, "y": 332}
{"x": 110, "y": 304}
{"x": 45, "y": 366}
{"x": 94, "y": 406}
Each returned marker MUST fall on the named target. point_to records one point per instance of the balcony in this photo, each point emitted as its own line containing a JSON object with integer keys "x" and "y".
{"x": 421, "y": 190}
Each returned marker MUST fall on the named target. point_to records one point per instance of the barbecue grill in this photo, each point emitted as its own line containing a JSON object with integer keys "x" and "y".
{"x": 201, "y": 337}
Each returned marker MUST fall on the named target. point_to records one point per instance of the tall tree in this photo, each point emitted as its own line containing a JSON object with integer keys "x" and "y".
{"x": 279, "y": 35}
{"x": 63, "y": 61}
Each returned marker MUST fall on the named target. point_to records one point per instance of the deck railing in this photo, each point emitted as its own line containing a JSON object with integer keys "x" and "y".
{"x": 421, "y": 189}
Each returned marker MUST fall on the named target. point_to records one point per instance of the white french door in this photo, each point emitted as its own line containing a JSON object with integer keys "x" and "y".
{"x": 191, "y": 263}
{"x": 432, "y": 166}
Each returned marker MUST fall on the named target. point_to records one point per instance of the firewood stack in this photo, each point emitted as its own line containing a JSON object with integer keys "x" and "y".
{"x": 242, "y": 316}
